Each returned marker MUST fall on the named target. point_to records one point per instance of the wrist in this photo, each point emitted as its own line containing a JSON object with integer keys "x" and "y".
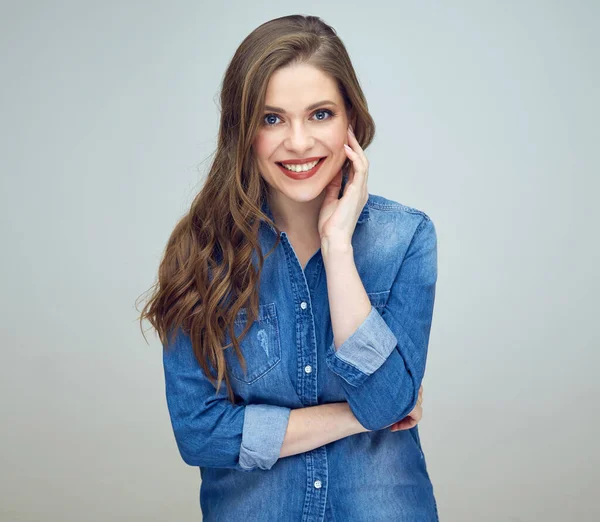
{"x": 337, "y": 247}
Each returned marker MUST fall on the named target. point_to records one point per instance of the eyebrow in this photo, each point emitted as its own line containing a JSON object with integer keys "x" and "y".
{"x": 310, "y": 107}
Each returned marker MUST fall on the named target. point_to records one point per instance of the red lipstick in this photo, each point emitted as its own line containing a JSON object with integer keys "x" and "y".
{"x": 301, "y": 175}
{"x": 300, "y": 161}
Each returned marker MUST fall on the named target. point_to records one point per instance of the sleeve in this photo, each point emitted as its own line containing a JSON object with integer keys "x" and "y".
{"x": 211, "y": 431}
{"x": 382, "y": 364}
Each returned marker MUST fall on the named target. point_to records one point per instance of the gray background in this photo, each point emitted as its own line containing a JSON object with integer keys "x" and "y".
{"x": 487, "y": 119}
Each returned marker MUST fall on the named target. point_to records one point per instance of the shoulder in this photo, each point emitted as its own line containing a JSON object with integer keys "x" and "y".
{"x": 384, "y": 210}
{"x": 390, "y": 234}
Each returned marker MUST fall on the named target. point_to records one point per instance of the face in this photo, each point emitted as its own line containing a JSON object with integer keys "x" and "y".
{"x": 298, "y": 123}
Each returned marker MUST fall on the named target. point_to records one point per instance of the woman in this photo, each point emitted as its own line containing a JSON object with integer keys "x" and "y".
{"x": 321, "y": 294}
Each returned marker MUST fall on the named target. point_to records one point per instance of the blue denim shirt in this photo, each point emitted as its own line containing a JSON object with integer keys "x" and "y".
{"x": 292, "y": 363}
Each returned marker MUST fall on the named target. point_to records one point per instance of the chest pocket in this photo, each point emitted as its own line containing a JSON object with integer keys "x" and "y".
{"x": 379, "y": 299}
{"x": 261, "y": 347}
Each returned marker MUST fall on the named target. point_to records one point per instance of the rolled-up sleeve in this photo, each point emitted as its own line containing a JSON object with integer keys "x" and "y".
{"x": 211, "y": 431}
{"x": 262, "y": 436}
{"x": 382, "y": 364}
{"x": 364, "y": 351}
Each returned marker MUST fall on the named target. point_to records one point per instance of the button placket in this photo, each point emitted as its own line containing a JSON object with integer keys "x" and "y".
{"x": 308, "y": 367}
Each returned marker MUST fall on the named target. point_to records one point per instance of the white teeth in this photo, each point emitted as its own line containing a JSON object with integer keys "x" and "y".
{"x": 301, "y": 168}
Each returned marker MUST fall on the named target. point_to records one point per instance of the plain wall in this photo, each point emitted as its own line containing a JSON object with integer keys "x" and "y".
{"x": 487, "y": 119}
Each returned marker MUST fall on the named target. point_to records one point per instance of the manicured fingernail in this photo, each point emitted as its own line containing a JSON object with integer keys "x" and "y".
{"x": 348, "y": 148}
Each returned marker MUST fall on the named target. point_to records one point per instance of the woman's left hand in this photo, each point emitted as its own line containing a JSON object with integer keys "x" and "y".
{"x": 413, "y": 418}
{"x": 338, "y": 217}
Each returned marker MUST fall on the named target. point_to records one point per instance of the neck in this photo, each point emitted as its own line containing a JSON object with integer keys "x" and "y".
{"x": 296, "y": 219}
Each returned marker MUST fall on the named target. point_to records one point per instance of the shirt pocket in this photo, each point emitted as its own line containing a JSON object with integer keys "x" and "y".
{"x": 261, "y": 347}
{"x": 379, "y": 299}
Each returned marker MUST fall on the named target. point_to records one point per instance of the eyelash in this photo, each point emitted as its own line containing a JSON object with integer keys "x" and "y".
{"x": 331, "y": 115}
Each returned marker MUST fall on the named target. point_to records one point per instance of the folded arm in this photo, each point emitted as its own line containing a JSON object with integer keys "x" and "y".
{"x": 381, "y": 363}
{"x": 211, "y": 431}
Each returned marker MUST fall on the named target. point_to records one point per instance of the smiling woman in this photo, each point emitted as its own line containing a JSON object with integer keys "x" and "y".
{"x": 309, "y": 297}
{"x": 307, "y": 121}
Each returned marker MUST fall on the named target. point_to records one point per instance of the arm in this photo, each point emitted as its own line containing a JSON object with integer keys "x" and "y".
{"x": 380, "y": 358}
{"x": 210, "y": 431}
{"x": 314, "y": 426}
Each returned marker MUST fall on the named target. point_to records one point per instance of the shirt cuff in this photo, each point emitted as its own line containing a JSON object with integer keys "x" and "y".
{"x": 364, "y": 351}
{"x": 262, "y": 435}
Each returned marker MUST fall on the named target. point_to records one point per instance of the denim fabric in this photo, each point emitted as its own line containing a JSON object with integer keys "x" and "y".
{"x": 292, "y": 363}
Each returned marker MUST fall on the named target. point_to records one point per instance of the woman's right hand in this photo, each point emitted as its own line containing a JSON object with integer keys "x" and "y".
{"x": 412, "y": 418}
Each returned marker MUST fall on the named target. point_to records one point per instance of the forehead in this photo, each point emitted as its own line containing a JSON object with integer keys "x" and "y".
{"x": 295, "y": 87}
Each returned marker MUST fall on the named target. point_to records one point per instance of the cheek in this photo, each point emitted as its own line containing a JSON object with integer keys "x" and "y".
{"x": 263, "y": 147}
{"x": 337, "y": 138}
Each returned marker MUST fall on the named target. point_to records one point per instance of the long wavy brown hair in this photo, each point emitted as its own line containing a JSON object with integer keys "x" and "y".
{"x": 206, "y": 275}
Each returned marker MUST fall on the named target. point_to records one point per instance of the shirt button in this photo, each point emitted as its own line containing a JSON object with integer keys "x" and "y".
{"x": 318, "y": 484}
{"x": 303, "y": 305}
{"x": 308, "y": 368}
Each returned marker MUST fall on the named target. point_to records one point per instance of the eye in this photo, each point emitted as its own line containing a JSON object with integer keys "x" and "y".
{"x": 271, "y": 116}
{"x": 324, "y": 111}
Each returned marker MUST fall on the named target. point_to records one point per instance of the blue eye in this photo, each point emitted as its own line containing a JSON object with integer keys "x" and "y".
{"x": 324, "y": 111}
{"x": 273, "y": 115}
{"x": 270, "y": 116}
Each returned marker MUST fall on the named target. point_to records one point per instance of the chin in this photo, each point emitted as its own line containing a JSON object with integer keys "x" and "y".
{"x": 304, "y": 194}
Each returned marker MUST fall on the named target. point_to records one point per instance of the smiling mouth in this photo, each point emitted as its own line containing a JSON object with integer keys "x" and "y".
{"x": 283, "y": 165}
{"x": 302, "y": 174}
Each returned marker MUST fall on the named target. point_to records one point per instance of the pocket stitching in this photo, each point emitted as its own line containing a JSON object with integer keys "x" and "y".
{"x": 267, "y": 313}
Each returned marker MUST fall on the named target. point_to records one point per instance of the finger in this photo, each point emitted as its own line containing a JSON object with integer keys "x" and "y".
{"x": 356, "y": 176}
{"x": 361, "y": 159}
{"x": 354, "y": 156}
{"x": 353, "y": 143}
{"x": 417, "y": 413}
{"x": 404, "y": 424}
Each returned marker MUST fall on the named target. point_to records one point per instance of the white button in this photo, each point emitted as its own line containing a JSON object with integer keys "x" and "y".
{"x": 303, "y": 305}
{"x": 308, "y": 368}
{"x": 317, "y": 484}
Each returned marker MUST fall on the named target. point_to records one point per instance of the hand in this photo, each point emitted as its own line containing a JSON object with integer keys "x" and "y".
{"x": 338, "y": 217}
{"x": 412, "y": 418}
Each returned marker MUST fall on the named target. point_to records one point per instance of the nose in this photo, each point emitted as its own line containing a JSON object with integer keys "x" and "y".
{"x": 299, "y": 139}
